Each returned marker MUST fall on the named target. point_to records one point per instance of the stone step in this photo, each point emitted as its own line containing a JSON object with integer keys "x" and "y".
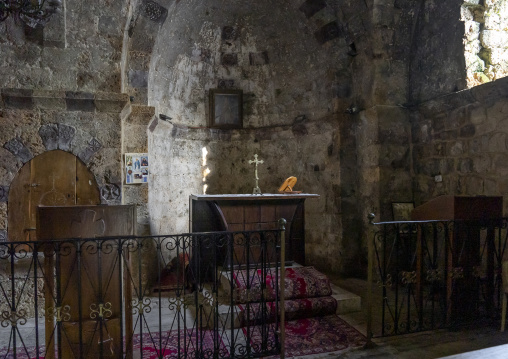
{"x": 346, "y": 302}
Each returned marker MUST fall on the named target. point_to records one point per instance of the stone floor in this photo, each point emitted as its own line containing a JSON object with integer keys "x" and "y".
{"x": 480, "y": 342}
{"x": 484, "y": 342}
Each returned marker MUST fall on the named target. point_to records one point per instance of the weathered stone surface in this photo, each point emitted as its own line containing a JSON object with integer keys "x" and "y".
{"x": 153, "y": 10}
{"x": 65, "y": 137}
{"x": 18, "y": 149}
{"x": 49, "y": 135}
{"x": 311, "y": 7}
{"x": 138, "y": 78}
{"x": 4, "y": 192}
{"x": 110, "y": 102}
{"x": 54, "y": 100}
{"x": 111, "y": 192}
{"x": 328, "y": 32}
{"x": 93, "y": 147}
{"x": 79, "y": 101}
{"x": 18, "y": 98}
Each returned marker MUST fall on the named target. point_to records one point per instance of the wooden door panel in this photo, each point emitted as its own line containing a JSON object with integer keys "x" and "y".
{"x": 18, "y": 214}
{"x": 94, "y": 279}
{"x": 87, "y": 190}
{"x": 54, "y": 178}
{"x": 111, "y": 339}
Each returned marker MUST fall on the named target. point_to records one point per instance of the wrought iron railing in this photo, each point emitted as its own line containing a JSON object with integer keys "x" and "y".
{"x": 199, "y": 295}
{"x": 427, "y": 275}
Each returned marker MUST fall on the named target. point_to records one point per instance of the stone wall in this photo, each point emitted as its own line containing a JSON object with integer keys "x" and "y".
{"x": 291, "y": 59}
{"x": 463, "y": 138}
{"x": 485, "y": 40}
{"x": 86, "y": 125}
{"x": 437, "y": 64}
{"x": 307, "y": 150}
{"x": 78, "y": 50}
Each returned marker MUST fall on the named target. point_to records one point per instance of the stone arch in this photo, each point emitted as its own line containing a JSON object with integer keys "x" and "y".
{"x": 54, "y": 177}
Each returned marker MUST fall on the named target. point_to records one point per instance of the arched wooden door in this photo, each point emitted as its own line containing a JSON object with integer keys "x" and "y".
{"x": 54, "y": 178}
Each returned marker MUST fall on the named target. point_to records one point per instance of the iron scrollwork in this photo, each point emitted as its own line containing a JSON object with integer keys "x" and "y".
{"x": 408, "y": 277}
{"x": 61, "y": 314}
{"x": 13, "y": 318}
{"x": 103, "y": 310}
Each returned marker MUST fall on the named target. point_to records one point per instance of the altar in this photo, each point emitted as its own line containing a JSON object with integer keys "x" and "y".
{"x": 249, "y": 212}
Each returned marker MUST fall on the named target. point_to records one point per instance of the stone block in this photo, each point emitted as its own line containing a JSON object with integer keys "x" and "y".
{"x": 143, "y": 36}
{"x": 230, "y": 33}
{"x": 497, "y": 142}
{"x": 474, "y": 185}
{"x": 138, "y": 78}
{"x": 478, "y": 115}
{"x": 51, "y": 100}
{"x": 109, "y": 25}
{"x": 18, "y": 98}
{"x": 500, "y": 164}
{"x": 258, "y": 58}
{"x": 3, "y": 235}
{"x": 4, "y": 193}
{"x": 490, "y": 92}
{"x": 311, "y": 7}
{"x": 93, "y": 147}
{"x": 490, "y": 187}
{"x": 153, "y": 11}
{"x": 111, "y": 192}
{"x": 229, "y": 59}
{"x": 355, "y": 27}
{"x": 478, "y": 145}
{"x": 494, "y": 39}
{"x": 467, "y": 131}
{"x": 18, "y": 149}
{"x": 328, "y": 32}
{"x": 323, "y": 17}
{"x": 456, "y": 148}
{"x": 110, "y": 102}
{"x": 49, "y": 136}
{"x": 342, "y": 90}
{"x": 65, "y": 137}
{"x": 465, "y": 165}
{"x": 141, "y": 115}
{"x": 482, "y": 163}
{"x": 79, "y": 101}
{"x": 383, "y": 15}
{"x": 139, "y": 60}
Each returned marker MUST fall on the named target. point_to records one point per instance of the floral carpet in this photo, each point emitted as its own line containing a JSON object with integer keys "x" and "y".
{"x": 150, "y": 346}
{"x": 316, "y": 336}
{"x": 300, "y": 282}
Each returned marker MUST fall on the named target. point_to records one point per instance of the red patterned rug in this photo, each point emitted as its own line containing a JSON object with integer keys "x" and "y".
{"x": 295, "y": 309}
{"x": 151, "y": 347}
{"x": 316, "y": 336}
{"x": 300, "y": 282}
{"x": 169, "y": 348}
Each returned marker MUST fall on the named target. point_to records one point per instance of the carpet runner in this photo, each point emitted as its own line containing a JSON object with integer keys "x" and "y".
{"x": 150, "y": 347}
{"x": 319, "y": 335}
{"x": 295, "y": 309}
{"x": 307, "y": 292}
{"x": 300, "y": 282}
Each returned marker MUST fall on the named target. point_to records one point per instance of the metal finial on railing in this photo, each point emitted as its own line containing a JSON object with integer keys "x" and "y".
{"x": 371, "y": 217}
{"x": 282, "y": 224}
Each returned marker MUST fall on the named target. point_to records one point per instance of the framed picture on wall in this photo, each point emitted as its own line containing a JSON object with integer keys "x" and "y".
{"x": 136, "y": 168}
{"x": 226, "y": 108}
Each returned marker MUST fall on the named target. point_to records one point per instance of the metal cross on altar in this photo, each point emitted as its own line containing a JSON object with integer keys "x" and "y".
{"x": 256, "y": 190}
